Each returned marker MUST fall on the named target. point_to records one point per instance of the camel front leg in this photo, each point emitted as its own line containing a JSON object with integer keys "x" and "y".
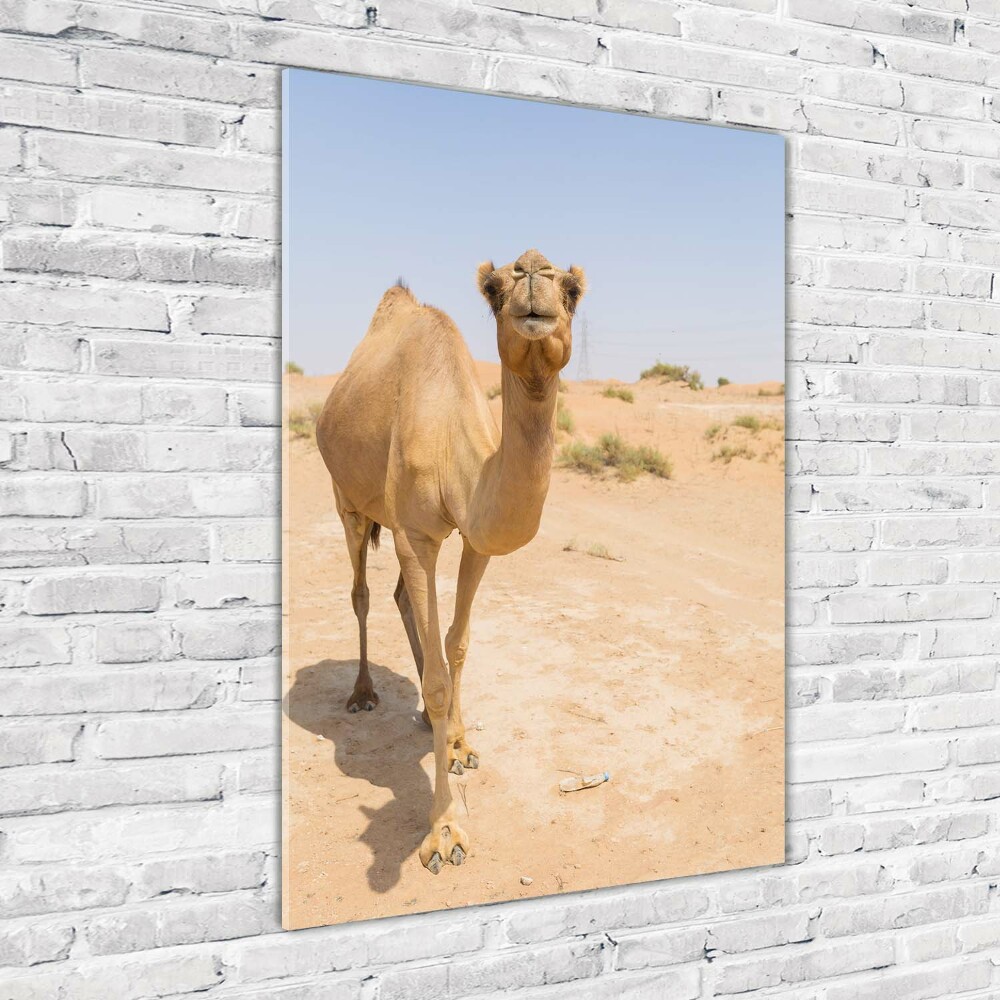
{"x": 417, "y": 555}
{"x": 456, "y": 644}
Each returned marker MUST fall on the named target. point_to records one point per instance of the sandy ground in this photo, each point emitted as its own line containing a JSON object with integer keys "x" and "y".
{"x": 664, "y": 666}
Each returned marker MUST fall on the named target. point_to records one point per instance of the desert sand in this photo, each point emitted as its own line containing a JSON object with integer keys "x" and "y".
{"x": 663, "y": 665}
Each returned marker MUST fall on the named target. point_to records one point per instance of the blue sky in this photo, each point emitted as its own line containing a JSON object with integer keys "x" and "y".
{"x": 679, "y": 227}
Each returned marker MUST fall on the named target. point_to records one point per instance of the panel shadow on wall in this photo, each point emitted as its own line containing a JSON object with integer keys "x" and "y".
{"x": 631, "y": 620}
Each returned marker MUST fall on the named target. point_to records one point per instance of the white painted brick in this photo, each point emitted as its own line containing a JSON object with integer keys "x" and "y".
{"x": 854, "y": 123}
{"x": 816, "y": 963}
{"x": 196, "y": 405}
{"x": 36, "y": 348}
{"x": 101, "y": 158}
{"x": 82, "y": 305}
{"x": 825, "y": 763}
{"x": 176, "y": 75}
{"x": 134, "y": 642}
{"x": 191, "y": 496}
{"x": 185, "y": 360}
{"x": 219, "y": 919}
{"x": 36, "y": 62}
{"x": 106, "y": 114}
{"x": 194, "y": 732}
{"x": 180, "y": 211}
{"x": 32, "y": 646}
{"x": 27, "y": 791}
{"x": 63, "y": 497}
{"x": 35, "y": 943}
{"x": 31, "y": 692}
{"x": 860, "y": 607}
{"x": 242, "y": 317}
{"x": 75, "y": 594}
{"x": 133, "y": 979}
{"x": 37, "y": 742}
{"x": 219, "y": 638}
{"x": 916, "y": 985}
{"x": 229, "y": 586}
{"x": 258, "y": 407}
{"x": 249, "y": 542}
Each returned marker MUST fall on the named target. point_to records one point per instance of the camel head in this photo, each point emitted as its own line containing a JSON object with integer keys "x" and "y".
{"x": 533, "y": 302}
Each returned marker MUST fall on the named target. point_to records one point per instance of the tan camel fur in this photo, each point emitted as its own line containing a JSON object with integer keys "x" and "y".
{"x": 411, "y": 444}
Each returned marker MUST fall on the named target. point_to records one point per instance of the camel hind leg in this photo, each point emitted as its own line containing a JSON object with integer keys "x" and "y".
{"x": 358, "y": 531}
{"x": 402, "y": 599}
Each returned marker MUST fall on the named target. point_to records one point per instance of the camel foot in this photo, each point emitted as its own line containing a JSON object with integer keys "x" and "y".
{"x": 363, "y": 698}
{"x": 462, "y": 756}
{"x": 446, "y": 841}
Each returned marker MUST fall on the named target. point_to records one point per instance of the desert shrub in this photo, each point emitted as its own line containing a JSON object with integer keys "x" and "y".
{"x": 722, "y": 380}
{"x": 302, "y": 423}
{"x": 780, "y": 391}
{"x": 563, "y": 387}
{"x": 582, "y": 457}
{"x": 755, "y": 424}
{"x": 611, "y": 451}
{"x": 712, "y": 432}
{"x": 618, "y": 392}
{"x": 748, "y": 421}
{"x": 564, "y": 419}
{"x": 493, "y": 391}
{"x": 728, "y": 452}
{"x": 291, "y": 368}
{"x": 674, "y": 373}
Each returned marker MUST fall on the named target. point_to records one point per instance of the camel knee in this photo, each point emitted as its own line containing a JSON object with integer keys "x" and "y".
{"x": 456, "y": 647}
{"x": 436, "y": 689}
{"x": 359, "y": 598}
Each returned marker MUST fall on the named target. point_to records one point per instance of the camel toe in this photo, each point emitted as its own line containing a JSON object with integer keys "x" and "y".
{"x": 435, "y": 864}
{"x": 457, "y": 855}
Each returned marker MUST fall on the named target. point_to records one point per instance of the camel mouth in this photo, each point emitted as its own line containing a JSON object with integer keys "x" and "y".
{"x": 534, "y": 326}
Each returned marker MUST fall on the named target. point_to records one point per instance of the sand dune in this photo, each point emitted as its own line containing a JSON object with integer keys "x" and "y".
{"x": 663, "y": 665}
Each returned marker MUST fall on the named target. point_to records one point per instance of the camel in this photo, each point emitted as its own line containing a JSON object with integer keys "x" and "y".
{"x": 411, "y": 445}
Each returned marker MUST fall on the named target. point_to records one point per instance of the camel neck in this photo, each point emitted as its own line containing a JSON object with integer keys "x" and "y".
{"x": 507, "y": 507}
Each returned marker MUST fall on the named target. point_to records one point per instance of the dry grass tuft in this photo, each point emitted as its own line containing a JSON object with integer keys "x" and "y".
{"x": 564, "y": 419}
{"x": 728, "y": 452}
{"x": 618, "y": 392}
{"x": 611, "y": 452}
{"x": 595, "y": 549}
{"x": 302, "y": 423}
{"x": 674, "y": 373}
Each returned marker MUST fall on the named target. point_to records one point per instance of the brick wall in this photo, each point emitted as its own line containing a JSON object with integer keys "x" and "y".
{"x": 138, "y": 456}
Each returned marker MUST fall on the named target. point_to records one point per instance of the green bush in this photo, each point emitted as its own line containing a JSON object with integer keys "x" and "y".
{"x": 291, "y": 368}
{"x": 617, "y": 392}
{"x": 302, "y": 423}
{"x": 612, "y": 452}
{"x": 564, "y": 419}
{"x": 674, "y": 373}
{"x": 722, "y": 380}
{"x": 728, "y": 452}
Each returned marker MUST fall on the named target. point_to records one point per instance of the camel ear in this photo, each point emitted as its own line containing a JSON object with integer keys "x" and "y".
{"x": 489, "y": 284}
{"x": 574, "y": 283}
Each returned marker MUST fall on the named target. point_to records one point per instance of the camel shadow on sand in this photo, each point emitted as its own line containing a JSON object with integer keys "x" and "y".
{"x": 384, "y": 747}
